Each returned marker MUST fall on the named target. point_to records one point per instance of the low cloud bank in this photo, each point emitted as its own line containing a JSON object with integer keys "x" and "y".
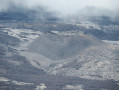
{"x": 68, "y": 8}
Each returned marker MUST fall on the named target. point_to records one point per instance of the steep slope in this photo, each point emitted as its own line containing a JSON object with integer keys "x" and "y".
{"x": 97, "y": 62}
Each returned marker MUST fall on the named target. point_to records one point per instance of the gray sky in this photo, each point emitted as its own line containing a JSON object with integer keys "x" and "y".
{"x": 72, "y": 6}
{"x": 65, "y": 7}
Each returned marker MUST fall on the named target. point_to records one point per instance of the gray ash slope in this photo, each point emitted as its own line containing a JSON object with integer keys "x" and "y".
{"x": 58, "y": 47}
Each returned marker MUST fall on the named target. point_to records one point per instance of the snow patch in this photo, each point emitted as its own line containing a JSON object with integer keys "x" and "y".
{"x": 111, "y": 42}
{"x": 42, "y": 86}
{"x": 26, "y": 36}
{"x": 4, "y": 79}
{"x": 21, "y": 83}
{"x": 68, "y": 33}
{"x": 89, "y": 25}
{"x": 71, "y": 87}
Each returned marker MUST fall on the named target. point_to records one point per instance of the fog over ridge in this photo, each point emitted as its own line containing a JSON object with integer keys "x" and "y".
{"x": 64, "y": 8}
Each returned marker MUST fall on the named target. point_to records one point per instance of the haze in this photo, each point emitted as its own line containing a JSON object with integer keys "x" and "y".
{"x": 66, "y": 7}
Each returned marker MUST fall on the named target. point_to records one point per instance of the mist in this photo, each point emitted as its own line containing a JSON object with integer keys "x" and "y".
{"x": 68, "y": 8}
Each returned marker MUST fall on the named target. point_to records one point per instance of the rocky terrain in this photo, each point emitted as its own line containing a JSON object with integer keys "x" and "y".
{"x": 58, "y": 56}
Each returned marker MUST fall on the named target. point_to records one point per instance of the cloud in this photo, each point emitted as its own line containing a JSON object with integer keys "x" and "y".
{"x": 72, "y": 6}
{"x": 66, "y": 7}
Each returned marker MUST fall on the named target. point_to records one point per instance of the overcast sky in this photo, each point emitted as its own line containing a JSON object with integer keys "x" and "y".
{"x": 72, "y": 6}
{"x": 64, "y": 7}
